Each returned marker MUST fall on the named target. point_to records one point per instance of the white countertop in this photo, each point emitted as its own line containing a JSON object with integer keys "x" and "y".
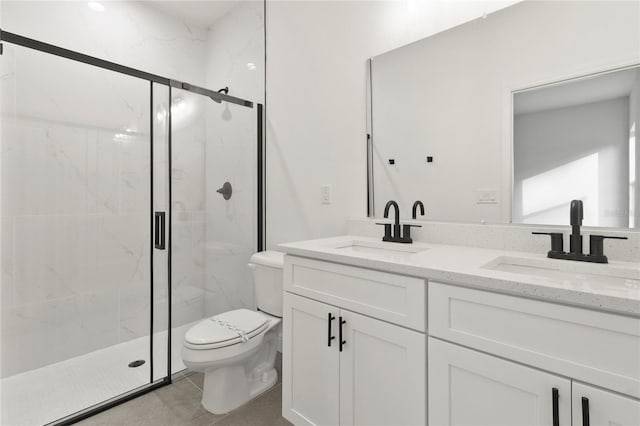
{"x": 613, "y": 287}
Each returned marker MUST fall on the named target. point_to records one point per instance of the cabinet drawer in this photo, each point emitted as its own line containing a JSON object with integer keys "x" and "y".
{"x": 394, "y": 298}
{"x": 591, "y": 346}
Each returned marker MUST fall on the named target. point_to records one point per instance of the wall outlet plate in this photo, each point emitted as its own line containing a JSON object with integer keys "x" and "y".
{"x": 487, "y": 196}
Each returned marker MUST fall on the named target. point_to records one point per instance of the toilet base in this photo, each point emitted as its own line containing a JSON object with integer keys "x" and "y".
{"x": 228, "y": 388}
{"x": 236, "y": 379}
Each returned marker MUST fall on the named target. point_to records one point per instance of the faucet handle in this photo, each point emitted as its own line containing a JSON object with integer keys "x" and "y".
{"x": 387, "y": 229}
{"x": 557, "y": 242}
{"x": 596, "y": 245}
{"x": 406, "y": 231}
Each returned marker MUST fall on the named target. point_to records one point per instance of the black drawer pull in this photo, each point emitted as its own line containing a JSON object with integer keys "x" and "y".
{"x": 556, "y": 410}
{"x": 329, "y": 336}
{"x": 159, "y": 237}
{"x": 342, "y": 342}
{"x": 585, "y": 411}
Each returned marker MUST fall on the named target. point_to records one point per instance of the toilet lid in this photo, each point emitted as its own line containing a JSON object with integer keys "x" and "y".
{"x": 228, "y": 328}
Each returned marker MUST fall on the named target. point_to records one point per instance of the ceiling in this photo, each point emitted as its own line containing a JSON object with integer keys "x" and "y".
{"x": 198, "y": 13}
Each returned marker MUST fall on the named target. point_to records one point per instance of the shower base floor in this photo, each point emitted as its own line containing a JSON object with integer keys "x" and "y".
{"x": 57, "y": 390}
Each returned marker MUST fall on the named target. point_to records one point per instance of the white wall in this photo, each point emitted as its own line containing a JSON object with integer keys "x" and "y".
{"x": 576, "y": 152}
{"x": 316, "y": 109}
{"x": 449, "y": 96}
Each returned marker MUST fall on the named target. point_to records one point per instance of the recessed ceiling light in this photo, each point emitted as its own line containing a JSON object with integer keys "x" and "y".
{"x": 96, "y": 6}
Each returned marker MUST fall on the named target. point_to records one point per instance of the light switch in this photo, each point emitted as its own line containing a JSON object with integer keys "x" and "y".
{"x": 325, "y": 194}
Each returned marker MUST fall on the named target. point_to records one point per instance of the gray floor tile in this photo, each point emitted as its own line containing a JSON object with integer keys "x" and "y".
{"x": 266, "y": 410}
{"x": 173, "y": 405}
{"x": 197, "y": 379}
{"x": 179, "y": 405}
{"x": 278, "y": 366}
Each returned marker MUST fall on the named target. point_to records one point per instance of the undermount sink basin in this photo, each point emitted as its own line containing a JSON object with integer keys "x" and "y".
{"x": 571, "y": 271}
{"x": 380, "y": 249}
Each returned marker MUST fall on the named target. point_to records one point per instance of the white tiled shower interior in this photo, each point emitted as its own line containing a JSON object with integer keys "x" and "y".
{"x": 75, "y": 197}
{"x": 75, "y": 274}
{"x": 235, "y": 58}
{"x": 80, "y": 375}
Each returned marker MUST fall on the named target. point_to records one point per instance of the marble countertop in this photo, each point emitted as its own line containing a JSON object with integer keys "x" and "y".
{"x": 612, "y": 287}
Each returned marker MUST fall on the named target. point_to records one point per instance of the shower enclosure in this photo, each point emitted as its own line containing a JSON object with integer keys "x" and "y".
{"x": 115, "y": 238}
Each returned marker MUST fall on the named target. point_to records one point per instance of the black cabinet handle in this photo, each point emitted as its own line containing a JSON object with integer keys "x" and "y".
{"x": 342, "y": 342}
{"x": 159, "y": 239}
{"x": 329, "y": 336}
{"x": 585, "y": 411}
{"x": 556, "y": 410}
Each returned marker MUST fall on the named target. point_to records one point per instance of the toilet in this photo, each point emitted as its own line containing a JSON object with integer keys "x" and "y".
{"x": 236, "y": 350}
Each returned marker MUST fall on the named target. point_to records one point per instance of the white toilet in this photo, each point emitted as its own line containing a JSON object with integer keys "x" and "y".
{"x": 236, "y": 350}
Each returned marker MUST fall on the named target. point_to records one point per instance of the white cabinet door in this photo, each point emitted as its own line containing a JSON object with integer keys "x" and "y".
{"x": 467, "y": 388}
{"x": 310, "y": 392}
{"x": 597, "y": 407}
{"x": 382, "y": 373}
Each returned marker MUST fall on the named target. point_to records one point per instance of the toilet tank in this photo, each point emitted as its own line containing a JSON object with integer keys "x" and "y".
{"x": 267, "y": 278}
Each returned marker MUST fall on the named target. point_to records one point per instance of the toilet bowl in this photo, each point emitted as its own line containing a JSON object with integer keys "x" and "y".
{"x": 236, "y": 350}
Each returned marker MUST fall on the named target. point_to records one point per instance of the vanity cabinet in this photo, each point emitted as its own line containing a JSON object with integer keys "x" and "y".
{"x": 467, "y": 387}
{"x": 357, "y": 350}
{"x": 311, "y": 368}
{"x": 594, "y": 407}
{"x": 376, "y": 376}
{"x": 495, "y": 359}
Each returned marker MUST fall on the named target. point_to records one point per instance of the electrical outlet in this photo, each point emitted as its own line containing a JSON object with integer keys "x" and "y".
{"x": 486, "y": 196}
{"x": 325, "y": 194}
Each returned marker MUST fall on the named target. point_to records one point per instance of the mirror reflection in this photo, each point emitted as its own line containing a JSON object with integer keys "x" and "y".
{"x": 576, "y": 140}
{"x": 465, "y": 120}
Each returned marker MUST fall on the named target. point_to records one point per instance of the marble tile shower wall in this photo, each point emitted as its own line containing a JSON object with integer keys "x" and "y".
{"x": 231, "y": 224}
{"x": 75, "y": 263}
{"x": 75, "y": 201}
{"x": 235, "y": 58}
{"x": 188, "y": 198}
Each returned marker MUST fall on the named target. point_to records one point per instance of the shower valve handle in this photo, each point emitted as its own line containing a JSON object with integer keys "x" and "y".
{"x": 225, "y": 191}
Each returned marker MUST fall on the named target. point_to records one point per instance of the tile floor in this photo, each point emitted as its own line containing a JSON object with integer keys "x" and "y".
{"x": 179, "y": 404}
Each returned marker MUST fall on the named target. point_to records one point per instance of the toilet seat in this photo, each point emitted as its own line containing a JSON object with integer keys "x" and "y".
{"x": 226, "y": 329}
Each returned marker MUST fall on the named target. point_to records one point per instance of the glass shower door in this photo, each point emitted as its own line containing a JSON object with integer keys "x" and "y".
{"x": 76, "y": 231}
{"x": 214, "y": 199}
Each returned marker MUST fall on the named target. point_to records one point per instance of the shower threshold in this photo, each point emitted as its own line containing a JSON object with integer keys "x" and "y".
{"x": 46, "y": 394}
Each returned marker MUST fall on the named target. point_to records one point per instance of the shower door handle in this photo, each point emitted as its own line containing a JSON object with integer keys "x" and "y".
{"x": 159, "y": 231}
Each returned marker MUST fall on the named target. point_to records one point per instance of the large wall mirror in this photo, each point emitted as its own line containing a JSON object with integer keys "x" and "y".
{"x": 507, "y": 118}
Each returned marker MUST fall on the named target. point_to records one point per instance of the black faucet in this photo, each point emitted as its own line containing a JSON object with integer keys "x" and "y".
{"x": 596, "y": 250}
{"x": 417, "y": 204}
{"x": 399, "y": 235}
{"x": 396, "y": 225}
{"x": 576, "y": 216}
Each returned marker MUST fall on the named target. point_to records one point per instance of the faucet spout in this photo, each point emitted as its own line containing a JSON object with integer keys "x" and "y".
{"x": 415, "y": 208}
{"x": 576, "y": 216}
{"x": 395, "y": 206}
